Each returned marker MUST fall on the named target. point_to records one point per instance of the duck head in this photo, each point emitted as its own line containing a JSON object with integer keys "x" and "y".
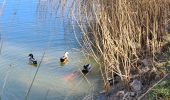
{"x": 31, "y": 55}
{"x": 110, "y": 80}
{"x": 66, "y": 54}
{"x": 86, "y": 67}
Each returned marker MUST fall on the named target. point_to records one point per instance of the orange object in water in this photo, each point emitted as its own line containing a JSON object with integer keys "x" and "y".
{"x": 71, "y": 76}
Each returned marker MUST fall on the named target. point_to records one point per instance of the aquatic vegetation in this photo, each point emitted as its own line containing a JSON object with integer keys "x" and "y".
{"x": 120, "y": 35}
{"x": 125, "y": 37}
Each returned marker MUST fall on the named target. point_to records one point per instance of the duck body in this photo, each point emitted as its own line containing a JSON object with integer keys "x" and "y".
{"x": 113, "y": 80}
{"x": 32, "y": 60}
{"x": 64, "y": 58}
{"x": 110, "y": 80}
{"x": 86, "y": 68}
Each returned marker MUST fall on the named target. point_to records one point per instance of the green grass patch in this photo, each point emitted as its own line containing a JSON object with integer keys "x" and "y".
{"x": 162, "y": 90}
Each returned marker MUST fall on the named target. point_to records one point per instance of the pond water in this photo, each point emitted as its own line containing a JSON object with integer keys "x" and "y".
{"x": 26, "y": 27}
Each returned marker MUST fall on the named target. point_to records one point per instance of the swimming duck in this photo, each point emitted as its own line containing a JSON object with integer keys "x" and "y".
{"x": 64, "y": 58}
{"x": 110, "y": 80}
{"x": 86, "y": 69}
{"x": 32, "y": 60}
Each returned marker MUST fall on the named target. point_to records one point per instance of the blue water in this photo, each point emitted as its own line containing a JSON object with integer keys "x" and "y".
{"x": 33, "y": 26}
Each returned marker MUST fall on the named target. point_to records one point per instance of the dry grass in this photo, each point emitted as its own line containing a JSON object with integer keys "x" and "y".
{"x": 119, "y": 34}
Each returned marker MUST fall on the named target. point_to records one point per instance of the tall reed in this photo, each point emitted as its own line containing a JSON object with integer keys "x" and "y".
{"x": 119, "y": 34}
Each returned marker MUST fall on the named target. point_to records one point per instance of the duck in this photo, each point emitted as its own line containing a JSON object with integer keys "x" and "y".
{"x": 64, "y": 58}
{"x": 110, "y": 81}
{"x": 86, "y": 68}
{"x": 113, "y": 80}
{"x": 31, "y": 59}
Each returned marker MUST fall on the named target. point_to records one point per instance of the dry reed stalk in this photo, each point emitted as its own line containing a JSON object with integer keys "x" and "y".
{"x": 2, "y": 7}
{"x": 5, "y": 81}
{"x": 32, "y": 82}
{"x": 120, "y": 33}
{"x": 1, "y": 43}
{"x": 139, "y": 98}
{"x": 47, "y": 93}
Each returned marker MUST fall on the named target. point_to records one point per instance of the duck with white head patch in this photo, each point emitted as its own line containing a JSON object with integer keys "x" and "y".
{"x": 64, "y": 58}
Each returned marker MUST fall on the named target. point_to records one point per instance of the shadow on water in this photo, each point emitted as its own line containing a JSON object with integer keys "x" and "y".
{"x": 33, "y": 27}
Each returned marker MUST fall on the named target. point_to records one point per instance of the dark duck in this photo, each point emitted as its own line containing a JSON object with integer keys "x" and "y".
{"x": 113, "y": 80}
{"x": 64, "y": 58}
{"x": 110, "y": 80}
{"x": 86, "y": 69}
{"x": 32, "y": 60}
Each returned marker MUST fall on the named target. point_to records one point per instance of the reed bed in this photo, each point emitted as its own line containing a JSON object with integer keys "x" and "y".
{"x": 121, "y": 34}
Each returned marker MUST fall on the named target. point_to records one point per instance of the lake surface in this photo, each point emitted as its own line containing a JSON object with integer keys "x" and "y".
{"x": 32, "y": 26}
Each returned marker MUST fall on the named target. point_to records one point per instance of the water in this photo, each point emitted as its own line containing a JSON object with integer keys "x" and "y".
{"x": 27, "y": 26}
